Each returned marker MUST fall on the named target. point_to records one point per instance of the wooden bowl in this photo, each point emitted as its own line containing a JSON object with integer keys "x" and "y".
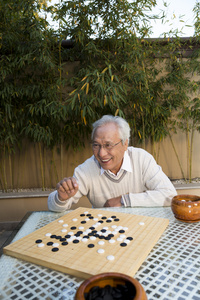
{"x": 186, "y": 208}
{"x": 112, "y": 279}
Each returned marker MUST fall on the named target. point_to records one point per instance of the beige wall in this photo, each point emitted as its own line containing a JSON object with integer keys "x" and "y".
{"x": 14, "y": 209}
{"x": 25, "y": 169}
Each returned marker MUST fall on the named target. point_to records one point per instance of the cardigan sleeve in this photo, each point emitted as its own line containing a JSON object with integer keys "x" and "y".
{"x": 158, "y": 190}
{"x": 54, "y": 204}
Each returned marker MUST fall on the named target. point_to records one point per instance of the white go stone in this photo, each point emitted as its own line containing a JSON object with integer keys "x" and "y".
{"x": 119, "y": 239}
{"x": 69, "y": 240}
{"x": 40, "y": 245}
{"x": 111, "y": 241}
{"x": 101, "y": 242}
{"x": 122, "y": 236}
{"x": 48, "y": 234}
{"x": 119, "y": 227}
{"x": 84, "y": 240}
{"x": 110, "y": 257}
{"x": 126, "y": 241}
{"x": 100, "y": 251}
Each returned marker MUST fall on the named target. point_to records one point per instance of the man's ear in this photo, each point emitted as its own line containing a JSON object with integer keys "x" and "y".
{"x": 126, "y": 144}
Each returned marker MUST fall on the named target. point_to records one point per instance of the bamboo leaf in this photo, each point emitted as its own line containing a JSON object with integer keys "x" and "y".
{"x": 83, "y": 86}
{"x": 105, "y": 100}
{"x": 104, "y": 70}
{"x": 72, "y": 92}
{"x": 117, "y": 111}
{"x": 84, "y": 78}
{"x": 87, "y": 88}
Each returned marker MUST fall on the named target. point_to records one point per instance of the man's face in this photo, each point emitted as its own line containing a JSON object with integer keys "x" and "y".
{"x": 109, "y": 159}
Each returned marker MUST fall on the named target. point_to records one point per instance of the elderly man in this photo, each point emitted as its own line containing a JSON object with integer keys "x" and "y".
{"x": 116, "y": 175}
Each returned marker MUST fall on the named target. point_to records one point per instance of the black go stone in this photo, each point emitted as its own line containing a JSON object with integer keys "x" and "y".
{"x": 53, "y": 236}
{"x": 79, "y": 232}
{"x": 83, "y": 222}
{"x": 91, "y": 246}
{"x": 38, "y": 241}
{"x": 55, "y": 249}
{"x": 113, "y": 217}
{"x": 67, "y": 236}
{"x": 49, "y": 243}
{"x": 65, "y": 243}
{"x": 104, "y": 218}
{"x": 82, "y": 215}
{"x": 130, "y": 238}
{"x": 123, "y": 244}
{"x": 75, "y": 241}
{"x": 125, "y": 291}
{"x": 63, "y": 239}
{"x": 121, "y": 231}
{"x": 86, "y": 237}
{"x": 73, "y": 227}
{"x": 58, "y": 237}
{"x": 116, "y": 220}
{"x": 111, "y": 235}
{"x": 108, "y": 221}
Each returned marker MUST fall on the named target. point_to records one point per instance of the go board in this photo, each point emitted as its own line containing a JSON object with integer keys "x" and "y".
{"x": 87, "y": 242}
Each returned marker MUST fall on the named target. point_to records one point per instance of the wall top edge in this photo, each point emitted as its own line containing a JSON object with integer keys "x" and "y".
{"x": 13, "y": 195}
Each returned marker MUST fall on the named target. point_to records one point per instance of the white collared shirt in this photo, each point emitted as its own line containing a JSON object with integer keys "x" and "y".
{"x": 126, "y": 165}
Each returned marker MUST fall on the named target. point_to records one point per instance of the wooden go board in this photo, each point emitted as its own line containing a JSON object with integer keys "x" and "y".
{"x": 90, "y": 241}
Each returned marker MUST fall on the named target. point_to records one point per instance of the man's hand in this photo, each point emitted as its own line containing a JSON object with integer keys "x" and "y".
{"x": 113, "y": 202}
{"x": 67, "y": 188}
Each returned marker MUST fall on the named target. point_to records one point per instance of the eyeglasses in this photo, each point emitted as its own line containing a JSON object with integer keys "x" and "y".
{"x": 107, "y": 146}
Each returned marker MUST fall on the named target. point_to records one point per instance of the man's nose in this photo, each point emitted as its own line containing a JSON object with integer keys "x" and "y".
{"x": 102, "y": 151}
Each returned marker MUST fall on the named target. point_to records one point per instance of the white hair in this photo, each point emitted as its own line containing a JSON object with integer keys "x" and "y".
{"x": 123, "y": 126}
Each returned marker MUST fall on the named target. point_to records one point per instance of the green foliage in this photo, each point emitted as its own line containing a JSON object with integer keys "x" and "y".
{"x": 120, "y": 72}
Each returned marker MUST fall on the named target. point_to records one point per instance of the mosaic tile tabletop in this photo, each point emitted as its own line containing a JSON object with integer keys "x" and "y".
{"x": 171, "y": 270}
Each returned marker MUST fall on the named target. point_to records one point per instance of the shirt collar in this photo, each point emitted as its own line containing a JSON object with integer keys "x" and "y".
{"x": 126, "y": 165}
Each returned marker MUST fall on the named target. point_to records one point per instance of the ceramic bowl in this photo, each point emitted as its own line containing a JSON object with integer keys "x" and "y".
{"x": 186, "y": 208}
{"x": 111, "y": 279}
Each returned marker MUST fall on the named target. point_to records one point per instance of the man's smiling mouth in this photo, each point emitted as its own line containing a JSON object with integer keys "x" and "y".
{"x": 105, "y": 160}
